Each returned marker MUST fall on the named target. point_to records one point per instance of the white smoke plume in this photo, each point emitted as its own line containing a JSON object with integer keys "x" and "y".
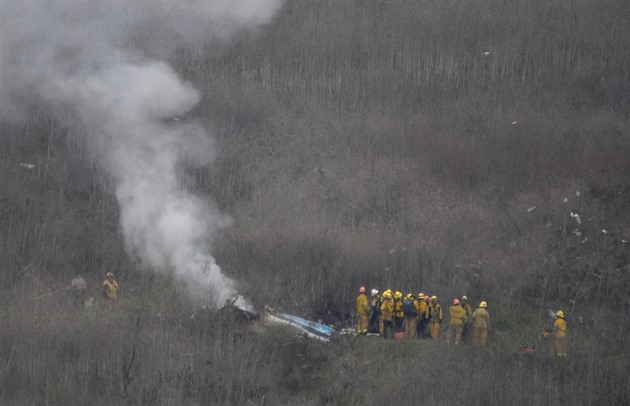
{"x": 98, "y": 59}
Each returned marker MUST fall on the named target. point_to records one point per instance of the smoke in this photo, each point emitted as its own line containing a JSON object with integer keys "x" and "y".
{"x": 101, "y": 61}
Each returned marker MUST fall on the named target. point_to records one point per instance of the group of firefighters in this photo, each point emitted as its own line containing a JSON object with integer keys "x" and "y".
{"x": 391, "y": 314}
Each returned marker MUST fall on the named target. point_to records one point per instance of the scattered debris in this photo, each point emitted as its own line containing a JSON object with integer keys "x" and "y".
{"x": 486, "y": 53}
{"x": 302, "y": 326}
{"x": 239, "y": 308}
{"x": 577, "y": 232}
{"x": 528, "y": 348}
{"x": 27, "y": 166}
{"x": 577, "y": 193}
{"x": 531, "y": 209}
{"x": 565, "y": 200}
{"x": 604, "y": 232}
{"x": 624, "y": 241}
{"x": 348, "y": 331}
{"x": 584, "y": 240}
{"x": 576, "y": 217}
{"x": 514, "y": 122}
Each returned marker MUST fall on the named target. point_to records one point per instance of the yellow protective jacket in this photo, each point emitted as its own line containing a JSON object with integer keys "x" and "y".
{"x": 435, "y": 312}
{"x": 375, "y": 302}
{"x": 560, "y": 327}
{"x": 421, "y": 307}
{"x": 481, "y": 318}
{"x": 457, "y": 315}
{"x": 468, "y": 312}
{"x": 398, "y": 308}
{"x": 111, "y": 288}
{"x": 362, "y": 304}
{"x": 387, "y": 310}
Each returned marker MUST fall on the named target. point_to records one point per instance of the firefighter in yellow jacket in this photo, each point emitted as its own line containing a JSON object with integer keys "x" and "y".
{"x": 481, "y": 323}
{"x": 411, "y": 315}
{"x": 363, "y": 311}
{"x": 559, "y": 334}
{"x": 423, "y": 316}
{"x": 387, "y": 315}
{"x": 457, "y": 322}
{"x": 399, "y": 316}
{"x": 375, "y": 312}
{"x": 110, "y": 290}
{"x": 467, "y": 320}
{"x": 435, "y": 317}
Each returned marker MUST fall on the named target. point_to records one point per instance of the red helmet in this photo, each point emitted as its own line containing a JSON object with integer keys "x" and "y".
{"x": 362, "y": 289}
{"x": 455, "y": 301}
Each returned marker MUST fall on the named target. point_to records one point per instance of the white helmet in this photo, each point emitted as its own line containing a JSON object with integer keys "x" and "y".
{"x": 374, "y": 292}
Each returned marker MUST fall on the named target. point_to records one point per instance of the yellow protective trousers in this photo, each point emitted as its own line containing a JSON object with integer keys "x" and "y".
{"x": 560, "y": 347}
{"x": 410, "y": 327}
{"x": 480, "y": 335}
{"x": 456, "y": 331}
{"x": 434, "y": 326}
{"x": 363, "y": 323}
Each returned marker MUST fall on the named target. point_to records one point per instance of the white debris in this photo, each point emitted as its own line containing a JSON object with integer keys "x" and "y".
{"x": 486, "y": 53}
{"x": 514, "y": 122}
{"x": 576, "y": 217}
{"x": 584, "y": 240}
{"x": 577, "y": 232}
{"x": 604, "y": 232}
{"x": 624, "y": 241}
{"x": 577, "y": 193}
{"x": 392, "y": 251}
{"x": 565, "y": 200}
{"x": 531, "y": 209}
{"x": 27, "y": 166}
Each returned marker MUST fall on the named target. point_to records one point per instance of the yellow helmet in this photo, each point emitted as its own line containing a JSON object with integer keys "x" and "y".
{"x": 433, "y": 297}
{"x": 483, "y": 304}
{"x": 409, "y": 296}
{"x": 420, "y": 295}
{"x": 387, "y": 295}
{"x": 560, "y": 314}
{"x": 398, "y": 294}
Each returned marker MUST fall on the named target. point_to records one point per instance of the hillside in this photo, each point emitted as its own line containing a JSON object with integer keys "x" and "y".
{"x": 442, "y": 146}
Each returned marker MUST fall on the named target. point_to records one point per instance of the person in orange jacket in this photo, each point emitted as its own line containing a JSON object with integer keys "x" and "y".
{"x": 481, "y": 324}
{"x": 363, "y": 311}
{"x": 457, "y": 322}
{"x": 559, "y": 334}
{"x": 387, "y": 315}
{"x": 435, "y": 317}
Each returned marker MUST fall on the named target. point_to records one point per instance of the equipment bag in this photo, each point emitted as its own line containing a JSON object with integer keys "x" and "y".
{"x": 409, "y": 308}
